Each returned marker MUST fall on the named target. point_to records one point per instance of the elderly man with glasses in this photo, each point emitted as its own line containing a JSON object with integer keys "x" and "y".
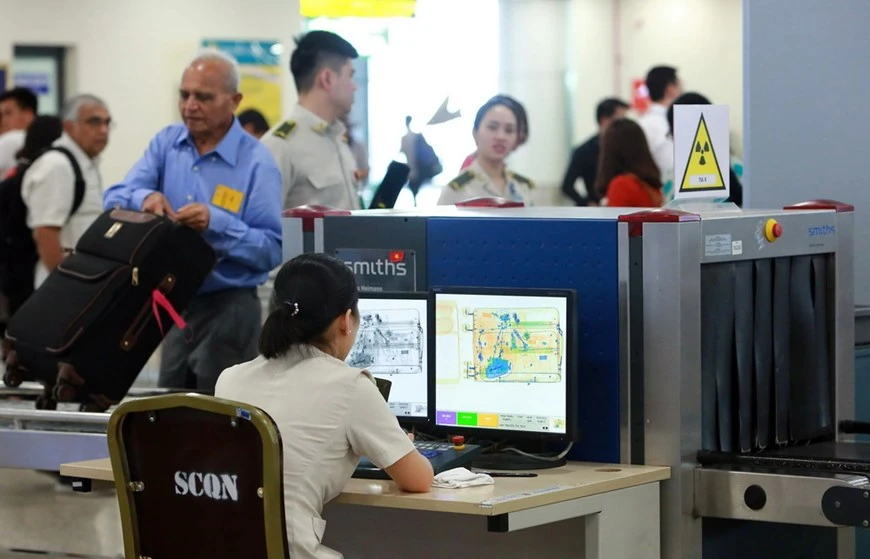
{"x": 63, "y": 188}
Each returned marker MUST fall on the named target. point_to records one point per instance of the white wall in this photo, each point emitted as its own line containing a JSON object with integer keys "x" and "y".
{"x": 562, "y": 57}
{"x": 592, "y": 64}
{"x": 532, "y": 69}
{"x": 702, "y": 38}
{"x": 132, "y": 53}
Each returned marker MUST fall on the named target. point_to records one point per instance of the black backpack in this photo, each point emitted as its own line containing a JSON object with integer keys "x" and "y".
{"x": 427, "y": 161}
{"x": 18, "y": 254}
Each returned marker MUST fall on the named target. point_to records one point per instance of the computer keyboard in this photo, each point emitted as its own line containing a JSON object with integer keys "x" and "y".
{"x": 431, "y": 449}
{"x": 443, "y": 456}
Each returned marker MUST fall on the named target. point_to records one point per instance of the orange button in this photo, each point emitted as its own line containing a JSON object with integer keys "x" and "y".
{"x": 772, "y": 230}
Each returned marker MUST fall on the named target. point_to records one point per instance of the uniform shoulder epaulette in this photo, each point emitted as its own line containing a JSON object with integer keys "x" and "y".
{"x": 284, "y": 130}
{"x": 459, "y": 182}
{"x": 523, "y": 180}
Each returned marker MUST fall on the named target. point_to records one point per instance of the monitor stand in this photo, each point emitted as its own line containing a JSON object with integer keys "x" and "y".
{"x": 513, "y": 461}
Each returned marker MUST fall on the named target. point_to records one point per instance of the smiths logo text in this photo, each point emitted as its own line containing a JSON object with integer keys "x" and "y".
{"x": 394, "y": 265}
{"x": 821, "y": 230}
{"x": 221, "y": 487}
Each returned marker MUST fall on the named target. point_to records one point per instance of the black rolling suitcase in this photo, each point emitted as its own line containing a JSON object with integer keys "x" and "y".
{"x": 89, "y": 329}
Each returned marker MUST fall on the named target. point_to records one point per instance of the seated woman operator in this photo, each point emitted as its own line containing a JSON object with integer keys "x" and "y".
{"x": 328, "y": 413}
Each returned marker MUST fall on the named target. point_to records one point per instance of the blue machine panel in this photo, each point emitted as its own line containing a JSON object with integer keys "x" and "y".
{"x": 560, "y": 253}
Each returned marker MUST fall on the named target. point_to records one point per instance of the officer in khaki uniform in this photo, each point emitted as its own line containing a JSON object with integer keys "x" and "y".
{"x": 475, "y": 183}
{"x": 310, "y": 147}
{"x": 500, "y": 126}
{"x": 317, "y": 165}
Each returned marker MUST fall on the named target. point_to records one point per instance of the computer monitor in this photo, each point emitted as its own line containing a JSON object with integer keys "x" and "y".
{"x": 393, "y": 344}
{"x": 505, "y": 362}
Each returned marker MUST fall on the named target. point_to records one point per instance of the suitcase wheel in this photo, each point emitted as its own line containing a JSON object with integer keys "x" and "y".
{"x": 12, "y": 377}
{"x": 11, "y": 358}
{"x": 63, "y": 392}
{"x": 101, "y": 402}
{"x": 45, "y": 403}
{"x": 66, "y": 374}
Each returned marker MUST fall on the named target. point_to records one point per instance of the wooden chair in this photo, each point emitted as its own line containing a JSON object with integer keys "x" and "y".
{"x": 198, "y": 476}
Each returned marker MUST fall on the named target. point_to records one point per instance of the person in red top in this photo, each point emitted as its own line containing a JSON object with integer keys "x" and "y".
{"x": 628, "y": 177}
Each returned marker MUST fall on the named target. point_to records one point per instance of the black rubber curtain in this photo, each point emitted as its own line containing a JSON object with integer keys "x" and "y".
{"x": 765, "y": 361}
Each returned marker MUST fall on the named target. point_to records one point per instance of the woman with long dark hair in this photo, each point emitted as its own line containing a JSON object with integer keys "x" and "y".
{"x": 627, "y": 174}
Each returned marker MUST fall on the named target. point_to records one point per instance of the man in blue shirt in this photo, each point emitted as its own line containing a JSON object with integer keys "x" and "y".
{"x": 211, "y": 175}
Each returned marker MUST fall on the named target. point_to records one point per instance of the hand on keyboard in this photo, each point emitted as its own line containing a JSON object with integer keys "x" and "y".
{"x": 430, "y": 449}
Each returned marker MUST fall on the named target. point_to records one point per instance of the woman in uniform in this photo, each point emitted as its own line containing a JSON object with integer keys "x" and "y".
{"x": 328, "y": 413}
{"x": 500, "y": 126}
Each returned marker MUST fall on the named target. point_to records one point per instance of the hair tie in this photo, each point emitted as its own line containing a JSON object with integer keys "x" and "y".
{"x": 293, "y": 306}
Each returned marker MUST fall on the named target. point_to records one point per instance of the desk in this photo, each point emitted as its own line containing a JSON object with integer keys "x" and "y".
{"x": 618, "y": 504}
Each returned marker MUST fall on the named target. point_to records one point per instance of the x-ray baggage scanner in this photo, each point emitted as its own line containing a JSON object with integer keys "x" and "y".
{"x": 741, "y": 368}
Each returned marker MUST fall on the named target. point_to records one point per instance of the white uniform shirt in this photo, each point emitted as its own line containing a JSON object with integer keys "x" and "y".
{"x": 48, "y": 189}
{"x": 475, "y": 183}
{"x": 328, "y": 414}
{"x": 657, "y": 131}
{"x": 317, "y": 166}
{"x": 10, "y": 143}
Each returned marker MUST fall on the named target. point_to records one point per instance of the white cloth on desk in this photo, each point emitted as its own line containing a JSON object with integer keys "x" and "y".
{"x": 458, "y": 478}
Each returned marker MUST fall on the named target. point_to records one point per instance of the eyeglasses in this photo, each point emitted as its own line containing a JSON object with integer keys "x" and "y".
{"x": 97, "y": 122}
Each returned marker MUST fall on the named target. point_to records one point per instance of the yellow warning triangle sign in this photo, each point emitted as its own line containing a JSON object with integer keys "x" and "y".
{"x": 702, "y": 168}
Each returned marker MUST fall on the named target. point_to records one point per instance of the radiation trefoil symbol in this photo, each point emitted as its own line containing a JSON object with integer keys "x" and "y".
{"x": 702, "y": 168}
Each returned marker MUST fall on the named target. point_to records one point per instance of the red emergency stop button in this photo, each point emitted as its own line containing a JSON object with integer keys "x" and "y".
{"x": 459, "y": 442}
{"x": 772, "y": 230}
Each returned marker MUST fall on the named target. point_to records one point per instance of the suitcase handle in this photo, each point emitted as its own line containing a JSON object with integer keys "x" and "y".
{"x": 158, "y": 299}
{"x": 130, "y": 216}
{"x": 141, "y": 320}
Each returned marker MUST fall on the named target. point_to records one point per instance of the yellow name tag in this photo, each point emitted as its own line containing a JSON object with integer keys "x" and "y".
{"x": 227, "y": 198}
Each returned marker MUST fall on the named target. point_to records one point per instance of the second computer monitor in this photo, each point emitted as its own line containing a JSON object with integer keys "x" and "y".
{"x": 505, "y": 362}
{"x": 393, "y": 344}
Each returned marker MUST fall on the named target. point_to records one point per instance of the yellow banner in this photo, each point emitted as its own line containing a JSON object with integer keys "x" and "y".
{"x": 260, "y": 74}
{"x": 357, "y": 8}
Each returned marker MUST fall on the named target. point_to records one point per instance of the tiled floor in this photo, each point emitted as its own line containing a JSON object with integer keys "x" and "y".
{"x": 38, "y": 514}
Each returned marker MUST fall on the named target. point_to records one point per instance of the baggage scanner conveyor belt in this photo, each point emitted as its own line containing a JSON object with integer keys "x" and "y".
{"x": 43, "y": 439}
{"x": 819, "y": 484}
